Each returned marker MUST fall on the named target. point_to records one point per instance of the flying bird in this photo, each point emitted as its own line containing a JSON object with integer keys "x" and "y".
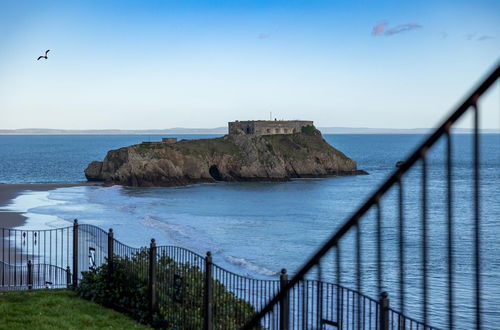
{"x": 45, "y": 57}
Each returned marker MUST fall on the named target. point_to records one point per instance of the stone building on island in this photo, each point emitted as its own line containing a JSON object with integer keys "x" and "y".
{"x": 267, "y": 127}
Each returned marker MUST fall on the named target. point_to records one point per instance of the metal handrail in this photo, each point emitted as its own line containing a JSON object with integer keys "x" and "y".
{"x": 394, "y": 179}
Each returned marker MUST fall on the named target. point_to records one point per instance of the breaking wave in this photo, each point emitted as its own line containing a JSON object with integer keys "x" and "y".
{"x": 249, "y": 265}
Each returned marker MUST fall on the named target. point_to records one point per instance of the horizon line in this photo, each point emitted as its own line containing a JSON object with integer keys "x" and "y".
{"x": 223, "y": 130}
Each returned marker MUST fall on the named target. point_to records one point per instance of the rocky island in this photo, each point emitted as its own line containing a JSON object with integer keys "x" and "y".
{"x": 252, "y": 151}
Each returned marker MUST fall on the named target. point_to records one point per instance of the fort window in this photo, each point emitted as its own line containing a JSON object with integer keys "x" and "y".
{"x": 268, "y": 130}
{"x": 277, "y": 130}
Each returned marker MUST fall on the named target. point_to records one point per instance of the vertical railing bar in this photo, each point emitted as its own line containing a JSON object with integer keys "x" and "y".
{"x": 55, "y": 248}
{"x": 75, "y": 254}
{"x": 15, "y": 258}
{"x": 358, "y": 269}
{"x": 401, "y": 246}
{"x": 379, "y": 246}
{"x": 370, "y": 313}
{"x": 424, "y": 235}
{"x": 338, "y": 264}
{"x": 319, "y": 298}
{"x": 342, "y": 304}
{"x": 477, "y": 228}
{"x": 62, "y": 248}
{"x": 67, "y": 246}
{"x": 450, "y": 224}
{"x": 306, "y": 302}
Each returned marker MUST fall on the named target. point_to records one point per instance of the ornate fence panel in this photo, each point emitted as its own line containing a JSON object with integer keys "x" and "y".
{"x": 92, "y": 247}
{"x": 41, "y": 257}
{"x": 250, "y": 295}
{"x": 180, "y": 283}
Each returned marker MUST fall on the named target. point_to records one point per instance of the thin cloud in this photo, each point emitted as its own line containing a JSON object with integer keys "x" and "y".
{"x": 485, "y": 37}
{"x": 402, "y": 28}
{"x": 264, "y": 36}
{"x": 474, "y": 37}
{"x": 380, "y": 28}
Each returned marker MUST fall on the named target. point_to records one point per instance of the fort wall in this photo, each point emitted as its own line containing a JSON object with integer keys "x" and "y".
{"x": 267, "y": 127}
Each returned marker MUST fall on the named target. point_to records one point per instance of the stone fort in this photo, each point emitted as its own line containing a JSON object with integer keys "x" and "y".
{"x": 267, "y": 127}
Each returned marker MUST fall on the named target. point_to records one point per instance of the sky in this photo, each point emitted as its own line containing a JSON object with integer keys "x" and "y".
{"x": 163, "y": 64}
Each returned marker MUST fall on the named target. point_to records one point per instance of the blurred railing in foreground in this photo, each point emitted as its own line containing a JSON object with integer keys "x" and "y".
{"x": 410, "y": 279}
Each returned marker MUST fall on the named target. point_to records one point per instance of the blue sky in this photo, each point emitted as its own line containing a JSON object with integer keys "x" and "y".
{"x": 162, "y": 64}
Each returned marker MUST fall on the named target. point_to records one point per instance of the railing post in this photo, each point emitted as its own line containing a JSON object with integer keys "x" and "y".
{"x": 208, "y": 298}
{"x": 75, "y": 254}
{"x": 152, "y": 278}
{"x": 30, "y": 275}
{"x": 284, "y": 303}
{"x": 337, "y": 305}
{"x": 319, "y": 304}
{"x": 68, "y": 277}
{"x": 384, "y": 311}
{"x": 110, "y": 253}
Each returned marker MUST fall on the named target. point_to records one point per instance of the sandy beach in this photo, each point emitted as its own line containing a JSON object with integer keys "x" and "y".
{"x": 17, "y": 254}
{"x": 10, "y": 191}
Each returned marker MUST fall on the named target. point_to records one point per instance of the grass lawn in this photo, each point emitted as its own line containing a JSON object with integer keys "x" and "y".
{"x": 57, "y": 309}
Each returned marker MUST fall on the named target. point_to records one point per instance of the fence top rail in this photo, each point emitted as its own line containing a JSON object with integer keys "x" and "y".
{"x": 93, "y": 227}
{"x": 243, "y": 276}
{"x": 364, "y": 296}
{"x": 141, "y": 248}
{"x": 409, "y": 319}
{"x": 162, "y": 247}
{"x": 33, "y": 230}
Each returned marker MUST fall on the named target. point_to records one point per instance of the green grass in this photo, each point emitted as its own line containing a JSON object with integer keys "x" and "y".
{"x": 144, "y": 149}
{"x": 209, "y": 147}
{"x": 300, "y": 146}
{"x": 57, "y": 309}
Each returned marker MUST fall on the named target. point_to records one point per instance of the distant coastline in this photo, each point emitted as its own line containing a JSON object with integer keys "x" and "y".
{"x": 223, "y": 130}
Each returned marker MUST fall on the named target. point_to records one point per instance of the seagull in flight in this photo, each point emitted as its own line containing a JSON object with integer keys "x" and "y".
{"x": 45, "y": 57}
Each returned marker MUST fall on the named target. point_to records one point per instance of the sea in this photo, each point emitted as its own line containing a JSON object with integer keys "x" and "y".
{"x": 257, "y": 228}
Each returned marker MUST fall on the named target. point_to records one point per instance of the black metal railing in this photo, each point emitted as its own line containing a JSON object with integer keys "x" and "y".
{"x": 201, "y": 294}
{"x": 406, "y": 266}
{"x": 48, "y": 252}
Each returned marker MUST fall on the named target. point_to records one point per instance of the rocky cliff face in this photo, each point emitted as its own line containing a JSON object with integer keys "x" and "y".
{"x": 229, "y": 158}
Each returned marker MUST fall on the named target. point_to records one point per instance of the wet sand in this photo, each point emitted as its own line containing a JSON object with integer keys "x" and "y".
{"x": 8, "y": 192}
{"x": 10, "y": 254}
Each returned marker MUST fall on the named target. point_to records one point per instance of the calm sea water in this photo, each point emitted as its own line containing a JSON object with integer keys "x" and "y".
{"x": 258, "y": 228}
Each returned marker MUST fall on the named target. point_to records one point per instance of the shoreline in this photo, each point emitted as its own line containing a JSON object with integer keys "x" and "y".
{"x": 12, "y": 219}
{"x": 8, "y": 192}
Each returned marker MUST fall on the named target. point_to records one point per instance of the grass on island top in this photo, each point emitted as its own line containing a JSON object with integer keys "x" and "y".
{"x": 57, "y": 309}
